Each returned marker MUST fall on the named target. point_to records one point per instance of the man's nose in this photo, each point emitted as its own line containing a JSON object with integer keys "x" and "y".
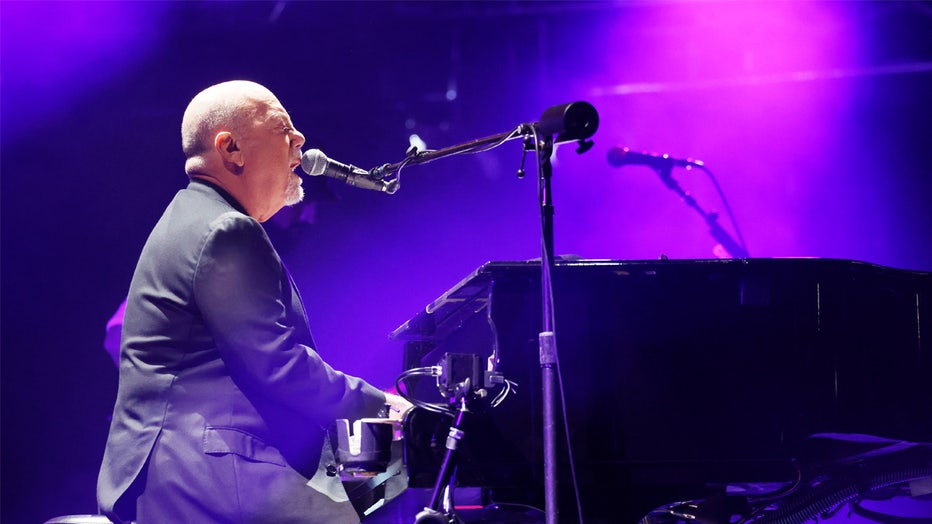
{"x": 299, "y": 139}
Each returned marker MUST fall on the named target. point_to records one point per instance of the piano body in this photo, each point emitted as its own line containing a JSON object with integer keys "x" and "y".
{"x": 677, "y": 375}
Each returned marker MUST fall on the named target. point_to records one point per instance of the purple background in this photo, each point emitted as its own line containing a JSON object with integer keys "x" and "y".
{"x": 815, "y": 118}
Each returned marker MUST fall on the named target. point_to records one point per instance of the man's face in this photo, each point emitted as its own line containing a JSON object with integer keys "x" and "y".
{"x": 274, "y": 151}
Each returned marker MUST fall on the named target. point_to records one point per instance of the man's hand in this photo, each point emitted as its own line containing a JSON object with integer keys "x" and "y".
{"x": 397, "y": 406}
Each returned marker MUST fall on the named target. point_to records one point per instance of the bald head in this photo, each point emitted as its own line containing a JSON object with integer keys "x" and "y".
{"x": 230, "y": 106}
{"x": 238, "y": 136}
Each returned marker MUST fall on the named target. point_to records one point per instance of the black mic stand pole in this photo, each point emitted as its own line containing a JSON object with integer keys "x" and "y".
{"x": 547, "y": 338}
{"x": 569, "y": 122}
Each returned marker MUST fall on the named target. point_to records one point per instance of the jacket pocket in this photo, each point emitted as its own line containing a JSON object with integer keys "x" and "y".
{"x": 219, "y": 441}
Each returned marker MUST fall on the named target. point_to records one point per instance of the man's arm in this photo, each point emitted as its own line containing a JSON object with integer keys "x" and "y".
{"x": 238, "y": 289}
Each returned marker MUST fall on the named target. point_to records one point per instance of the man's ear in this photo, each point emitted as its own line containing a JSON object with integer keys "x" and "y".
{"x": 225, "y": 144}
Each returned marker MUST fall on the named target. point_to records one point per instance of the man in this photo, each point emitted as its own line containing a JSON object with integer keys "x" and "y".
{"x": 223, "y": 402}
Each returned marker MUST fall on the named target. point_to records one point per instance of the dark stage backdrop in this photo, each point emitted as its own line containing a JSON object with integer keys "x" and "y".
{"x": 815, "y": 118}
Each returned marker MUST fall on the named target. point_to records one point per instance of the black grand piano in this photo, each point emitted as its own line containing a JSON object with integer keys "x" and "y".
{"x": 679, "y": 376}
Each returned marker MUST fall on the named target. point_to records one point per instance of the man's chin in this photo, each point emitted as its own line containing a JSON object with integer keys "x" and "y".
{"x": 294, "y": 199}
{"x": 294, "y": 194}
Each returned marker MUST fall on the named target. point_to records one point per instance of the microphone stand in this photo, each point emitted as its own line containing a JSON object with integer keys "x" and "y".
{"x": 576, "y": 121}
{"x": 715, "y": 229}
{"x": 547, "y": 338}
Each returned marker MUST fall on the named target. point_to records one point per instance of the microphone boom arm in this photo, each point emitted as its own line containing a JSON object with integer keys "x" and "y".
{"x": 473, "y": 146}
{"x": 574, "y": 121}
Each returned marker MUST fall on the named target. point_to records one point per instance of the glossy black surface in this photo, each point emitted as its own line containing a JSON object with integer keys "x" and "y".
{"x": 678, "y": 374}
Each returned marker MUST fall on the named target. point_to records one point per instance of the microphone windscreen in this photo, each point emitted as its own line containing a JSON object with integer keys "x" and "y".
{"x": 314, "y": 162}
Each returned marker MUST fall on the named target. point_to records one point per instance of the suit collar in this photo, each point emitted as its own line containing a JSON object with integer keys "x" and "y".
{"x": 197, "y": 182}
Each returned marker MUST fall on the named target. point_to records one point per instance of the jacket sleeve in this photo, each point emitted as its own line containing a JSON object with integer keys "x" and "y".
{"x": 238, "y": 289}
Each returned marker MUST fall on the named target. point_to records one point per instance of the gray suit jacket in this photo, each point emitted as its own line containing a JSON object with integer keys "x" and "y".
{"x": 223, "y": 402}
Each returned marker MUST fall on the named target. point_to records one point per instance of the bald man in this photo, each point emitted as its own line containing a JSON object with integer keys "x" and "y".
{"x": 223, "y": 402}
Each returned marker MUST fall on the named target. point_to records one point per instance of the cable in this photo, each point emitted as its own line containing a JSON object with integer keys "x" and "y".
{"x": 506, "y": 390}
{"x": 516, "y": 132}
{"x": 395, "y": 181}
{"x": 402, "y": 388}
{"x": 435, "y": 371}
{"x": 731, "y": 216}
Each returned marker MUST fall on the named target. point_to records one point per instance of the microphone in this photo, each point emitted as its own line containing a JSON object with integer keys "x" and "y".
{"x": 314, "y": 162}
{"x": 622, "y": 156}
{"x": 575, "y": 121}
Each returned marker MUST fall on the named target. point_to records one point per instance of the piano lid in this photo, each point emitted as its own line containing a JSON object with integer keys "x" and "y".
{"x": 470, "y": 295}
